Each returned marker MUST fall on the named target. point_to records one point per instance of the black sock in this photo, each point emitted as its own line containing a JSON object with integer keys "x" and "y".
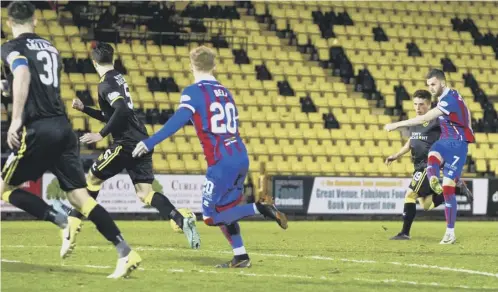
{"x": 166, "y": 209}
{"x": 105, "y": 225}
{"x": 241, "y": 257}
{"x": 437, "y": 200}
{"x": 75, "y": 213}
{"x": 37, "y": 207}
{"x": 408, "y": 216}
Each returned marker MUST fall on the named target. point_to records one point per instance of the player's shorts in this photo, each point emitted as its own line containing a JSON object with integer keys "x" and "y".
{"x": 224, "y": 184}
{"x": 454, "y": 154}
{"x": 46, "y": 144}
{"x": 118, "y": 157}
{"x": 420, "y": 183}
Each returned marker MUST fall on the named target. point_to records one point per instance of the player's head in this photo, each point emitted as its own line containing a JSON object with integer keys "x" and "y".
{"x": 436, "y": 81}
{"x": 202, "y": 60}
{"x": 21, "y": 17}
{"x": 421, "y": 101}
{"x": 102, "y": 55}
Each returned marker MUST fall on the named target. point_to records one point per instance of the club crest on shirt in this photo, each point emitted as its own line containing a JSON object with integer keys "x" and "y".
{"x": 425, "y": 124}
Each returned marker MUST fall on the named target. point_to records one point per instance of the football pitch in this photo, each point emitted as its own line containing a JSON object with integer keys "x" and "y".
{"x": 309, "y": 256}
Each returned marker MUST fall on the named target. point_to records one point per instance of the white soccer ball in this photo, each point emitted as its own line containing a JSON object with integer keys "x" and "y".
{"x": 186, "y": 213}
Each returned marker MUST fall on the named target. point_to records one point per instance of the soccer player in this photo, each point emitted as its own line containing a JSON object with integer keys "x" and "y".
{"x": 421, "y": 139}
{"x": 122, "y": 122}
{"x": 42, "y": 138}
{"x": 212, "y": 109}
{"x": 450, "y": 151}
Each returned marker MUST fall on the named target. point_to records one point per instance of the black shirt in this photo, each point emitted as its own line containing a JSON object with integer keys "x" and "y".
{"x": 44, "y": 62}
{"x": 113, "y": 87}
{"x": 421, "y": 140}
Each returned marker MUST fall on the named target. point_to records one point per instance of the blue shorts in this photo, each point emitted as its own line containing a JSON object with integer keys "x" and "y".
{"x": 454, "y": 154}
{"x": 224, "y": 184}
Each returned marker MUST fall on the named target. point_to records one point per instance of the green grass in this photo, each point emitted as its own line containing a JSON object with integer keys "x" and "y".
{"x": 309, "y": 256}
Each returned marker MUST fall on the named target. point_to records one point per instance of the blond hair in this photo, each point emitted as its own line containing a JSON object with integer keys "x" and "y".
{"x": 203, "y": 59}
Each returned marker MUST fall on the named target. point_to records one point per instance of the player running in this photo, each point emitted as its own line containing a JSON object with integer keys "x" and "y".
{"x": 42, "y": 138}
{"x": 450, "y": 151}
{"x": 421, "y": 139}
{"x": 122, "y": 122}
{"x": 212, "y": 110}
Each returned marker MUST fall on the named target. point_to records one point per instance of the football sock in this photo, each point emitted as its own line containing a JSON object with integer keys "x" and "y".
{"x": 35, "y": 206}
{"x": 433, "y": 166}
{"x": 105, "y": 225}
{"x": 450, "y": 209}
{"x": 232, "y": 234}
{"x": 234, "y": 214}
{"x": 409, "y": 212}
{"x": 436, "y": 201}
{"x": 165, "y": 208}
{"x": 75, "y": 213}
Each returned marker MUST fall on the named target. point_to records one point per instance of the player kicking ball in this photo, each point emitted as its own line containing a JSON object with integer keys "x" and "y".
{"x": 212, "y": 110}
{"x": 450, "y": 151}
{"x": 117, "y": 112}
{"x": 421, "y": 139}
{"x": 42, "y": 139}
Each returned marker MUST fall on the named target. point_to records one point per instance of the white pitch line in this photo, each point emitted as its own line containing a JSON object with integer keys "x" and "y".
{"x": 420, "y": 283}
{"x": 287, "y": 276}
{"x": 315, "y": 257}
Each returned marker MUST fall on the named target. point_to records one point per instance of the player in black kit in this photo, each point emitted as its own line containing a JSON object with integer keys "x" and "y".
{"x": 41, "y": 136}
{"x": 116, "y": 110}
{"x": 421, "y": 139}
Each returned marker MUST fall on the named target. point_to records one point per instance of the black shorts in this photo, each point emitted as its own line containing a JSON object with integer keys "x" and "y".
{"x": 420, "y": 183}
{"x": 46, "y": 144}
{"x": 118, "y": 157}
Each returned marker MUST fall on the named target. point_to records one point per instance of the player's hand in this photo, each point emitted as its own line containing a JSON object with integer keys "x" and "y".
{"x": 140, "y": 149}
{"x": 390, "y": 127}
{"x": 4, "y": 88}
{"x": 78, "y": 104}
{"x": 90, "y": 138}
{"x": 390, "y": 159}
{"x": 13, "y": 134}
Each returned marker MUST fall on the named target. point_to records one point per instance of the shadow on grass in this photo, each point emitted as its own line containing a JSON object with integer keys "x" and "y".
{"x": 26, "y": 268}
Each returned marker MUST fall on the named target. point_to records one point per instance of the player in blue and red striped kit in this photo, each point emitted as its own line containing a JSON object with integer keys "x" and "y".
{"x": 212, "y": 110}
{"x": 450, "y": 151}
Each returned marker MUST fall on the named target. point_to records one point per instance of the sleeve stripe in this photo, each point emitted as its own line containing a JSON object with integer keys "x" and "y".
{"x": 443, "y": 110}
{"x": 18, "y": 61}
{"x": 18, "y": 57}
{"x": 187, "y": 106}
{"x": 114, "y": 100}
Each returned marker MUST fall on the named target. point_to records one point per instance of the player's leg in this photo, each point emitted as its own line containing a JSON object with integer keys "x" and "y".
{"x": 31, "y": 204}
{"x": 434, "y": 162}
{"x": 29, "y": 162}
{"x": 107, "y": 165}
{"x": 455, "y": 161}
{"x": 463, "y": 190}
{"x": 93, "y": 188}
{"x": 219, "y": 180}
{"x": 240, "y": 256}
{"x": 409, "y": 212}
{"x": 69, "y": 172}
{"x": 142, "y": 175}
{"x": 168, "y": 211}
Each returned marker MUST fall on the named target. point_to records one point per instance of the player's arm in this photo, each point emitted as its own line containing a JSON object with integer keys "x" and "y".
{"x": 20, "y": 89}
{"x": 118, "y": 118}
{"x": 175, "y": 123}
{"x": 114, "y": 96}
{"x": 405, "y": 149}
{"x": 94, "y": 113}
{"x": 429, "y": 116}
{"x": 185, "y": 111}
